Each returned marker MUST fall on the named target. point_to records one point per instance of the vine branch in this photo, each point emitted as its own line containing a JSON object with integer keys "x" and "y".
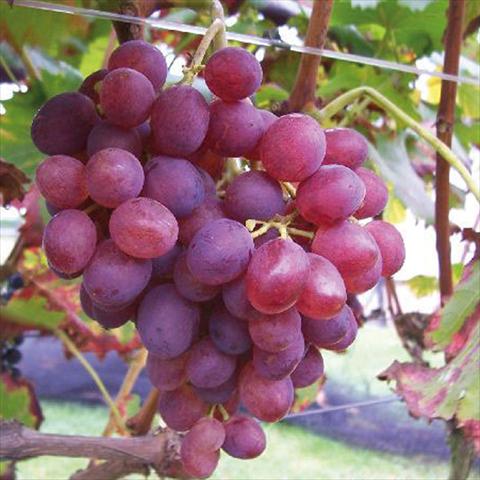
{"x": 349, "y": 97}
{"x": 305, "y": 86}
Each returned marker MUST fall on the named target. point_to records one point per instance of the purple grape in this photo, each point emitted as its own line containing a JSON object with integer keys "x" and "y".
{"x": 390, "y": 244}
{"x": 274, "y": 333}
{"x": 376, "y": 196}
{"x": 211, "y": 209}
{"x": 235, "y": 128}
{"x": 143, "y": 228}
{"x": 365, "y": 280}
{"x": 323, "y": 294}
{"x": 333, "y": 193}
{"x": 234, "y": 296}
{"x": 268, "y": 119}
{"x": 114, "y": 176}
{"x": 126, "y": 97}
{"x": 86, "y": 302}
{"x": 293, "y": 148}
{"x": 230, "y": 334}
{"x": 69, "y": 241}
{"x": 233, "y": 73}
{"x": 175, "y": 183}
{"x": 219, "y": 252}
{"x": 244, "y": 437}
{"x": 166, "y": 322}
{"x": 348, "y": 246}
{"x": 113, "y": 279}
{"x": 163, "y": 265}
{"x": 116, "y": 318}
{"x": 179, "y": 123}
{"x": 220, "y": 394}
{"x": 346, "y": 147}
{"x": 62, "y": 181}
{"x": 348, "y": 338}
{"x": 254, "y": 195}
{"x": 276, "y": 275}
{"x": 279, "y": 365}
{"x": 268, "y": 400}
{"x": 207, "y": 366}
{"x": 188, "y": 286}
{"x": 90, "y": 87}
{"x": 181, "y": 408}
{"x": 167, "y": 375}
{"x": 209, "y": 186}
{"x": 104, "y": 135}
{"x": 142, "y": 57}
{"x": 63, "y": 123}
{"x": 325, "y": 333}
{"x": 309, "y": 370}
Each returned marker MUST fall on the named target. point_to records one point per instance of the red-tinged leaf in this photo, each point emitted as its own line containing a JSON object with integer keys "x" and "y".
{"x": 18, "y": 401}
{"x": 12, "y": 182}
{"x": 32, "y": 227}
{"x": 471, "y": 428}
{"x": 450, "y": 392}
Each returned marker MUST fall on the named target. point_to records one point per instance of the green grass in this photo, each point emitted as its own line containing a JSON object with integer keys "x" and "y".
{"x": 292, "y": 453}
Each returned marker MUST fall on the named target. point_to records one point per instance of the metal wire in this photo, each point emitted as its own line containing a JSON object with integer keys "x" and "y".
{"x": 348, "y": 406}
{"x": 239, "y": 37}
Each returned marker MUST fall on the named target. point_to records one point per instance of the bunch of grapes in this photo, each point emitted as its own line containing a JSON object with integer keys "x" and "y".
{"x": 233, "y": 290}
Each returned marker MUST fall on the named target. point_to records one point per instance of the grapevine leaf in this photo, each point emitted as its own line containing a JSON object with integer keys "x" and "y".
{"x": 423, "y": 285}
{"x": 12, "y": 182}
{"x": 270, "y": 93}
{"x": 18, "y": 401}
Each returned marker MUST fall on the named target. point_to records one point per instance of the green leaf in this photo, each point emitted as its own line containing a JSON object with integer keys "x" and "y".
{"x": 469, "y": 100}
{"x": 18, "y": 401}
{"x": 270, "y": 93}
{"x": 423, "y": 285}
{"x": 395, "y": 211}
{"x": 348, "y": 36}
{"x": 460, "y": 306}
{"x": 395, "y": 167}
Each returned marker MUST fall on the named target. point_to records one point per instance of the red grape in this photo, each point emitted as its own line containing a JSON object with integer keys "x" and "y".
{"x": 268, "y": 119}
{"x": 105, "y": 135}
{"x": 234, "y": 296}
{"x": 220, "y": 394}
{"x": 90, "y": 85}
{"x": 164, "y": 264}
{"x": 361, "y": 282}
{"x": 244, "y": 437}
{"x": 169, "y": 374}
{"x": 376, "y": 196}
{"x": 309, "y": 370}
{"x": 345, "y": 146}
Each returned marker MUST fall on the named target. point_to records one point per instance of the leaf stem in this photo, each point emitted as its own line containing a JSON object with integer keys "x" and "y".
{"x": 347, "y": 98}
{"x": 220, "y": 40}
{"x": 92, "y": 372}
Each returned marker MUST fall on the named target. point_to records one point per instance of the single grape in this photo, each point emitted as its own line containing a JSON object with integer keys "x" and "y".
{"x": 346, "y": 147}
{"x": 274, "y": 333}
{"x": 175, "y": 183}
{"x": 166, "y": 322}
{"x": 188, "y": 286}
{"x": 86, "y": 302}
{"x": 376, "y": 196}
{"x": 219, "y": 252}
{"x": 233, "y": 73}
{"x": 348, "y": 338}
{"x": 208, "y": 434}
{"x": 323, "y": 294}
{"x": 63, "y": 123}
{"x": 268, "y": 119}
{"x": 199, "y": 463}
{"x": 228, "y": 333}
{"x": 142, "y": 57}
{"x": 235, "y": 128}
{"x": 90, "y": 86}
{"x": 325, "y": 333}
{"x": 244, "y": 437}
{"x": 104, "y": 135}
{"x": 293, "y": 148}
{"x": 69, "y": 241}
{"x": 179, "y": 122}
{"x": 164, "y": 264}
{"x": 254, "y": 195}
{"x": 113, "y": 176}
{"x": 348, "y": 246}
{"x": 332, "y": 193}
{"x": 113, "y": 279}
{"x": 126, "y": 97}
{"x": 116, "y": 318}
{"x": 210, "y": 209}
{"x": 207, "y": 366}
{"x": 234, "y": 296}
{"x": 220, "y": 394}
{"x": 268, "y": 400}
{"x": 143, "y": 228}
{"x": 309, "y": 370}
{"x": 167, "y": 375}
{"x": 276, "y": 275}
{"x": 181, "y": 408}
{"x": 279, "y": 365}
{"x": 391, "y": 246}
{"x": 365, "y": 280}
{"x": 62, "y": 181}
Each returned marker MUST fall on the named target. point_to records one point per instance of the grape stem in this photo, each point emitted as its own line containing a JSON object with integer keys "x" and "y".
{"x": 290, "y": 189}
{"x": 72, "y": 348}
{"x": 280, "y": 223}
{"x": 224, "y": 412}
{"x": 349, "y": 97}
{"x": 220, "y": 40}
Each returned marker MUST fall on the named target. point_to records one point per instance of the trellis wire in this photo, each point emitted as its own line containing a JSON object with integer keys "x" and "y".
{"x": 348, "y": 406}
{"x": 240, "y": 37}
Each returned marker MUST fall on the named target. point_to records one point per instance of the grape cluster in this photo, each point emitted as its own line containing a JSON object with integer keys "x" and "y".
{"x": 13, "y": 283}
{"x": 229, "y": 294}
{"x": 10, "y": 356}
